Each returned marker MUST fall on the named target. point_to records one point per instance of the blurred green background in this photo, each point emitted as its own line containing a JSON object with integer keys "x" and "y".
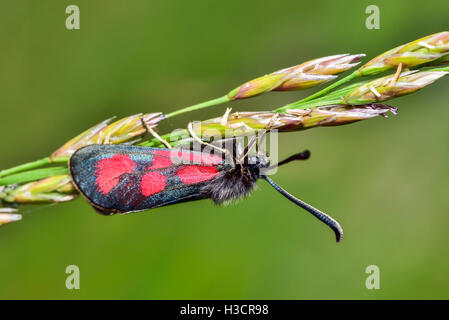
{"x": 385, "y": 180}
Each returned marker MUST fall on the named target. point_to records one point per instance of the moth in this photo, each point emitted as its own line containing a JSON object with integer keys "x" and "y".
{"x": 126, "y": 178}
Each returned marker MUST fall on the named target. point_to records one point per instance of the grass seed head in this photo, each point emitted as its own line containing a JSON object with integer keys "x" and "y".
{"x": 48, "y": 190}
{"x": 306, "y": 75}
{"x": 385, "y": 88}
{"x": 120, "y": 131}
{"x": 6, "y": 216}
{"x": 420, "y": 51}
{"x": 247, "y": 123}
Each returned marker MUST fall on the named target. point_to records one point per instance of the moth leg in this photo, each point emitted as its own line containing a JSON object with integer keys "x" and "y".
{"x": 100, "y": 137}
{"x": 270, "y": 123}
{"x": 375, "y": 92}
{"x": 268, "y": 127}
{"x": 197, "y": 139}
{"x": 396, "y": 76}
{"x": 107, "y": 137}
{"x": 257, "y": 139}
{"x": 244, "y": 157}
{"x": 224, "y": 119}
{"x": 154, "y": 134}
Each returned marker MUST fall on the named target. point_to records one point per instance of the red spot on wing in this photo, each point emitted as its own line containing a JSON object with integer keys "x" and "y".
{"x": 164, "y": 153}
{"x": 202, "y": 158}
{"x": 197, "y": 174}
{"x": 161, "y": 162}
{"x": 108, "y": 171}
{"x": 152, "y": 182}
{"x": 194, "y": 157}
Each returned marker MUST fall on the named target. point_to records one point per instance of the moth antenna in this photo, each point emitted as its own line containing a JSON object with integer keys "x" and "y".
{"x": 154, "y": 134}
{"x": 197, "y": 139}
{"x": 329, "y": 221}
{"x": 304, "y": 155}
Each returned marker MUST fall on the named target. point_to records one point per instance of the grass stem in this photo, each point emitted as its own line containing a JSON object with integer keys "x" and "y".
{"x": 199, "y": 106}
{"x": 330, "y": 87}
{"x": 25, "y": 166}
{"x": 33, "y": 175}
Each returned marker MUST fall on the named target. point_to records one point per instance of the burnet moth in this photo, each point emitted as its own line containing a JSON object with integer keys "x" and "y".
{"x": 126, "y": 178}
